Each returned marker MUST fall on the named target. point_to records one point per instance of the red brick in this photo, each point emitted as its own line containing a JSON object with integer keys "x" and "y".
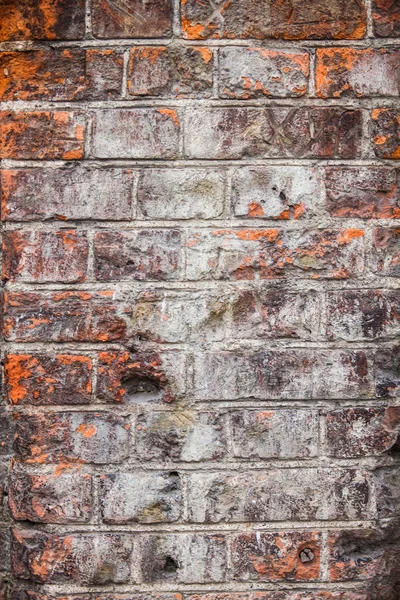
{"x": 162, "y": 71}
{"x": 76, "y": 193}
{"x": 233, "y": 133}
{"x": 7, "y": 432}
{"x": 357, "y": 72}
{"x": 40, "y": 379}
{"x": 276, "y": 556}
{"x": 63, "y": 317}
{"x": 257, "y": 72}
{"x": 42, "y": 20}
{"x": 386, "y": 256}
{"x": 328, "y": 19}
{"x": 79, "y": 558}
{"x": 131, "y": 19}
{"x": 42, "y": 135}
{"x": 41, "y": 257}
{"x": 386, "y": 18}
{"x": 248, "y": 254}
{"x": 52, "y": 74}
{"x": 59, "y": 498}
{"x": 362, "y": 192}
{"x": 72, "y": 438}
{"x": 386, "y": 132}
{"x": 142, "y": 255}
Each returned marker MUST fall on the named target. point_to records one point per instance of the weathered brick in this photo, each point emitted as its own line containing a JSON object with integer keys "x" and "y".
{"x": 385, "y": 132}
{"x": 141, "y": 498}
{"x": 328, "y": 19}
{"x": 233, "y": 133}
{"x": 182, "y": 435}
{"x": 278, "y": 495}
{"x": 363, "y": 192}
{"x": 7, "y": 432}
{"x": 69, "y": 438}
{"x": 188, "y": 558}
{"x": 387, "y": 486}
{"x": 276, "y": 313}
{"x": 140, "y": 379}
{"x": 362, "y": 431}
{"x": 152, "y": 254}
{"x": 258, "y": 72}
{"x": 45, "y": 256}
{"x": 131, "y": 19}
{"x": 276, "y": 374}
{"x": 386, "y": 252}
{"x": 387, "y": 372}
{"x": 52, "y": 74}
{"x": 386, "y": 18}
{"x": 79, "y": 558}
{"x": 42, "y": 20}
{"x": 290, "y": 556}
{"x": 283, "y": 434}
{"x": 181, "y": 193}
{"x": 363, "y": 314}
{"x": 357, "y": 72}
{"x": 170, "y": 71}
{"x": 4, "y": 550}
{"x": 42, "y": 135}
{"x": 136, "y": 133}
{"x": 63, "y": 317}
{"x": 273, "y": 253}
{"x": 40, "y": 379}
{"x": 59, "y": 498}
{"x": 315, "y": 594}
{"x": 275, "y": 192}
{"x": 76, "y": 193}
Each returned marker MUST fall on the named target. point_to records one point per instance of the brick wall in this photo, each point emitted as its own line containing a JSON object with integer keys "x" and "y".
{"x": 200, "y": 269}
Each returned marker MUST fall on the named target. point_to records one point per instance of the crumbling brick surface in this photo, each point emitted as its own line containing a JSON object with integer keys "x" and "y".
{"x": 200, "y": 308}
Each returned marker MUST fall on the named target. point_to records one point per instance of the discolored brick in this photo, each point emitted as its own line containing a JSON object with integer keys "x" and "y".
{"x": 387, "y": 372}
{"x": 386, "y": 18}
{"x": 387, "y": 485}
{"x": 7, "y": 432}
{"x": 385, "y": 132}
{"x": 386, "y": 252}
{"x": 131, "y": 19}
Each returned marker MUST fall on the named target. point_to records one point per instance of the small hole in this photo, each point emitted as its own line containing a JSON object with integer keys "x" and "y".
{"x": 170, "y": 566}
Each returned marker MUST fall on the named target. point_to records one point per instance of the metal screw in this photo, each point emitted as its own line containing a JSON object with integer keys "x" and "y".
{"x": 306, "y": 555}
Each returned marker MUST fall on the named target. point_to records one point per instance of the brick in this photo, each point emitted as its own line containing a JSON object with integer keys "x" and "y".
{"x": 276, "y": 556}
{"x": 141, "y": 255}
{"x": 385, "y": 131}
{"x": 4, "y": 550}
{"x": 233, "y": 133}
{"x": 45, "y": 256}
{"x": 187, "y": 558}
{"x": 69, "y": 438}
{"x": 386, "y": 258}
{"x": 140, "y": 379}
{"x": 387, "y": 372}
{"x": 136, "y": 133}
{"x": 362, "y": 192}
{"x": 284, "y": 595}
{"x": 141, "y": 498}
{"x": 42, "y": 20}
{"x": 77, "y": 193}
{"x": 387, "y": 486}
{"x": 79, "y": 558}
{"x": 180, "y": 316}
{"x": 40, "y": 379}
{"x": 280, "y": 434}
{"x": 363, "y": 314}
{"x": 168, "y": 71}
{"x": 181, "y": 435}
{"x": 281, "y": 495}
{"x": 181, "y": 193}
{"x": 7, "y": 432}
{"x": 362, "y": 431}
{"x": 276, "y": 313}
{"x": 131, "y": 19}
{"x": 386, "y": 18}
{"x": 248, "y": 254}
{"x": 63, "y": 317}
{"x": 279, "y": 374}
{"x": 52, "y": 74}
{"x": 257, "y": 72}
{"x": 275, "y": 192}
{"x": 347, "y": 72}
{"x": 42, "y": 135}
{"x": 329, "y": 19}
{"x": 60, "y": 498}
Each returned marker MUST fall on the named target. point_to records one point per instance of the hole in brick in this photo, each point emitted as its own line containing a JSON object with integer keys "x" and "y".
{"x": 141, "y": 388}
{"x": 170, "y": 565}
{"x": 282, "y": 196}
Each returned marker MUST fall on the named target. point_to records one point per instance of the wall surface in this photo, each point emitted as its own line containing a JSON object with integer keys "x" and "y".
{"x": 201, "y": 256}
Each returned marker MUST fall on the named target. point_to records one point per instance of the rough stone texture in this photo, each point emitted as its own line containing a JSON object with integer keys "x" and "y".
{"x": 199, "y": 357}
